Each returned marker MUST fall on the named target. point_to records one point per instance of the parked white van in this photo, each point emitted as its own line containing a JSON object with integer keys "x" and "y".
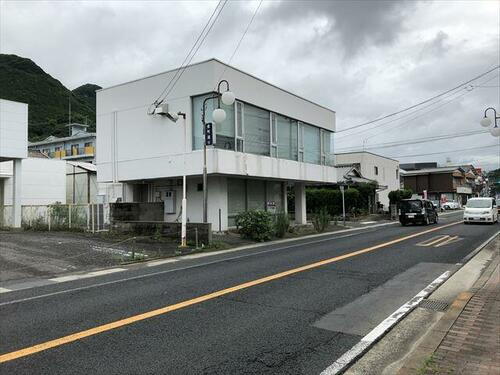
{"x": 481, "y": 210}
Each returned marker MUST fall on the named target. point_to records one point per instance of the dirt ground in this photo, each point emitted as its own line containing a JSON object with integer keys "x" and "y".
{"x": 26, "y": 254}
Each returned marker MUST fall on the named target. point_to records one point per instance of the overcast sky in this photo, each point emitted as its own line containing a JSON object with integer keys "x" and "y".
{"x": 363, "y": 59}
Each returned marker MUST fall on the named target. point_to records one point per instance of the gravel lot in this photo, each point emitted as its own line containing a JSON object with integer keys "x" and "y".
{"x": 26, "y": 254}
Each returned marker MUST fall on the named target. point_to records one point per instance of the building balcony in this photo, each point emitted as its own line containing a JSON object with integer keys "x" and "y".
{"x": 219, "y": 162}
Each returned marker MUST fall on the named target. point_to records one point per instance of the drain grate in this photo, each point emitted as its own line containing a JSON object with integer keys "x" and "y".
{"x": 434, "y": 305}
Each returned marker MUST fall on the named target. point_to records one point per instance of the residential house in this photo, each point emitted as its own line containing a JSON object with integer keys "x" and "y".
{"x": 441, "y": 183}
{"x": 79, "y": 145}
{"x": 383, "y": 170}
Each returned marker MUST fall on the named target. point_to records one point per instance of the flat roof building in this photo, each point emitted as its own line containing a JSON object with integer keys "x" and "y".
{"x": 269, "y": 139}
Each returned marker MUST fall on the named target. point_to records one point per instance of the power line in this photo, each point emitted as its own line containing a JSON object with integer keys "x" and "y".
{"x": 434, "y": 109}
{"x": 182, "y": 70}
{"x": 241, "y": 39}
{"x": 192, "y": 52}
{"x": 418, "y": 104}
{"x": 411, "y": 113}
{"x": 444, "y": 152}
{"x": 418, "y": 140}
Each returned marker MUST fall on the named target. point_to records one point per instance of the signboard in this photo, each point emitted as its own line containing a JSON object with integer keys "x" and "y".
{"x": 464, "y": 190}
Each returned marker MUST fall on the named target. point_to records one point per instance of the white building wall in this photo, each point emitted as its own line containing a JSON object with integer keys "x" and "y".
{"x": 386, "y": 171}
{"x": 13, "y": 130}
{"x": 133, "y": 145}
{"x": 217, "y": 199}
{"x": 43, "y": 181}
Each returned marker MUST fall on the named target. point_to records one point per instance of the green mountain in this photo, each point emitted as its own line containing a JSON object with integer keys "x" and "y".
{"x": 48, "y": 99}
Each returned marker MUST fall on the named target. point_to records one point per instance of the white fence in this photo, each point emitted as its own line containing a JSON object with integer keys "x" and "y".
{"x": 89, "y": 217}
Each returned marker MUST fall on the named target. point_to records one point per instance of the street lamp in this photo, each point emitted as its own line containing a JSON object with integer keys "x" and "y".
{"x": 218, "y": 116}
{"x": 486, "y": 122}
{"x": 172, "y": 116}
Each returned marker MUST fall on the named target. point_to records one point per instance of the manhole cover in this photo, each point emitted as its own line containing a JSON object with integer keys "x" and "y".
{"x": 431, "y": 304}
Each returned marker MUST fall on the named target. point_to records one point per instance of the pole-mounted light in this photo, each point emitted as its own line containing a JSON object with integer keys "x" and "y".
{"x": 486, "y": 122}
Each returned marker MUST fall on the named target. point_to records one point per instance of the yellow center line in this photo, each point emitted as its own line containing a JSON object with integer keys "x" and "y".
{"x": 150, "y": 314}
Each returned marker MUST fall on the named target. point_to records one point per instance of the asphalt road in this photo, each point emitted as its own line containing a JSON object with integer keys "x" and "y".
{"x": 290, "y": 308}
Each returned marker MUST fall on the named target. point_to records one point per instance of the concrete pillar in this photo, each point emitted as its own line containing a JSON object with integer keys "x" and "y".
{"x": 300, "y": 203}
{"x": 16, "y": 194}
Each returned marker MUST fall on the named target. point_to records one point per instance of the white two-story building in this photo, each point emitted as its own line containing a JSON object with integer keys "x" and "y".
{"x": 271, "y": 139}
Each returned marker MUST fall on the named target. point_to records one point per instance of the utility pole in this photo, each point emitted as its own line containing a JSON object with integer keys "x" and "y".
{"x": 343, "y": 203}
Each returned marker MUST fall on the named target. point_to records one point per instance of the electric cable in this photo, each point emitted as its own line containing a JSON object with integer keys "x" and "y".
{"x": 420, "y": 103}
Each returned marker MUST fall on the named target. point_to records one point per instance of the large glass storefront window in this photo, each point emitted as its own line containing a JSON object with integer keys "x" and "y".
{"x": 252, "y": 194}
{"x": 257, "y": 131}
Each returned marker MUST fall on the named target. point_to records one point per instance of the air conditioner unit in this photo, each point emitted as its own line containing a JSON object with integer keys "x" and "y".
{"x": 162, "y": 109}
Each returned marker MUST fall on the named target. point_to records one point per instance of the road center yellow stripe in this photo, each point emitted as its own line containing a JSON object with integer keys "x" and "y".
{"x": 150, "y": 314}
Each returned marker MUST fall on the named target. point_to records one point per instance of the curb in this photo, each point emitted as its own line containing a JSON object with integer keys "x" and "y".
{"x": 368, "y": 341}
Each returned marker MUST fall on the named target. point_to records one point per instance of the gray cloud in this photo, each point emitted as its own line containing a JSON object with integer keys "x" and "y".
{"x": 364, "y": 59}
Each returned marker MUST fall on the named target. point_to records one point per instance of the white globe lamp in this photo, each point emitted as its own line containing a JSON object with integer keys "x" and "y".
{"x": 218, "y": 115}
{"x": 495, "y": 131}
{"x": 485, "y": 122}
{"x": 228, "y": 98}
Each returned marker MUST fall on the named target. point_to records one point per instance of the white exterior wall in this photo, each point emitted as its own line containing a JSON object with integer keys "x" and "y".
{"x": 368, "y": 161}
{"x": 13, "y": 130}
{"x": 43, "y": 181}
{"x": 133, "y": 145}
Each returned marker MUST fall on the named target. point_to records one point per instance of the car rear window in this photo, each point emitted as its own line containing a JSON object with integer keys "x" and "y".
{"x": 479, "y": 203}
{"x": 411, "y": 206}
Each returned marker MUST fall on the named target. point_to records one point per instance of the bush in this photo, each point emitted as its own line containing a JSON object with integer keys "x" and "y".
{"x": 321, "y": 220}
{"x": 281, "y": 224}
{"x": 256, "y": 225}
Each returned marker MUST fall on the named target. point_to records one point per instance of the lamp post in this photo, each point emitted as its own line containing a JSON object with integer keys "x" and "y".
{"x": 486, "y": 122}
{"x": 218, "y": 116}
{"x": 184, "y": 198}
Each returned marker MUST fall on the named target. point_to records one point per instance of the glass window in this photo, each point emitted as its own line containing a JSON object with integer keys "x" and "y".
{"x": 256, "y": 130}
{"x": 312, "y": 144}
{"x": 375, "y": 170}
{"x": 274, "y": 135}
{"x": 224, "y": 132}
{"x": 256, "y": 190}
{"x": 326, "y": 147}
{"x": 236, "y": 196}
{"x": 300, "y": 135}
{"x": 224, "y": 136}
{"x": 198, "y": 137}
{"x": 287, "y": 138}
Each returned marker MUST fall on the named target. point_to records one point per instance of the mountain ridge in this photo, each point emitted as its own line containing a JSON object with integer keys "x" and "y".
{"x": 22, "y": 80}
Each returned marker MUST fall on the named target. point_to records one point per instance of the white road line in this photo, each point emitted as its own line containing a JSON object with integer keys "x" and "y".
{"x": 63, "y": 279}
{"x": 159, "y": 262}
{"x": 5, "y": 290}
{"x": 383, "y": 327}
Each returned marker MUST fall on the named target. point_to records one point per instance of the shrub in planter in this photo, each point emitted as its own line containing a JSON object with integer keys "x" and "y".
{"x": 255, "y": 224}
{"x": 281, "y": 224}
{"x": 321, "y": 220}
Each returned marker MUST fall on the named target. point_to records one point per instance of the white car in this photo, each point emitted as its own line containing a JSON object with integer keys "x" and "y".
{"x": 451, "y": 205}
{"x": 481, "y": 210}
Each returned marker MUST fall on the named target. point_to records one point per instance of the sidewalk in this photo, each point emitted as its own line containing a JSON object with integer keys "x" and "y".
{"x": 466, "y": 340}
